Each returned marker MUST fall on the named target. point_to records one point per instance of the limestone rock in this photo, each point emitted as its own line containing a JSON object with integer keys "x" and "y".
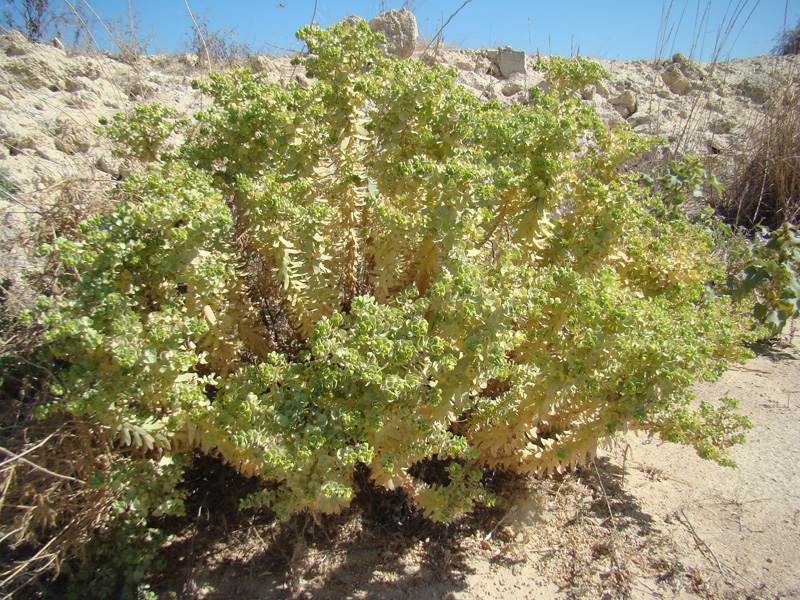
{"x": 350, "y": 20}
{"x": 19, "y": 133}
{"x": 303, "y": 81}
{"x": 721, "y": 126}
{"x": 41, "y": 66}
{"x": 400, "y": 29}
{"x": 755, "y": 91}
{"x": 716, "y": 146}
{"x": 515, "y": 83}
{"x": 47, "y": 153}
{"x": 110, "y": 165}
{"x": 640, "y": 120}
{"x": 83, "y": 99}
{"x": 675, "y": 80}
{"x": 588, "y": 92}
{"x": 70, "y": 138}
{"x": 32, "y": 72}
{"x": 480, "y": 64}
{"x": 681, "y": 58}
{"x": 140, "y": 89}
{"x": 662, "y": 92}
{"x": 260, "y": 64}
{"x": 614, "y": 122}
{"x": 15, "y": 44}
{"x": 625, "y": 104}
{"x": 688, "y": 67}
{"x": 189, "y": 59}
{"x": 75, "y": 84}
{"x": 464, "y": 63}
{"x": 492, "y": 69}
{"x": 600, "y": 88}
{"x": 510, "y": 61}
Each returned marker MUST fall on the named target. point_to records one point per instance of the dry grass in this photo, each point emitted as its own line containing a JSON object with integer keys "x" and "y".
{"x": 765, "y": 190}
{"x": 762, "y": 180}
{"x": 47, "y": 510}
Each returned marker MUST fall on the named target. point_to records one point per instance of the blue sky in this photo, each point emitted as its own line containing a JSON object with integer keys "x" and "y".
{"x": 623, "y": 29}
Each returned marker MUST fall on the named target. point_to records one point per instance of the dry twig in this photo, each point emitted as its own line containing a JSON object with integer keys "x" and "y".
{"x": 485, "y": 540}
{"x": 615, "y": 555}
{"x": 199, "y": 33}
{"x": 18, "y": 457}
{"x": 441, "y": 29}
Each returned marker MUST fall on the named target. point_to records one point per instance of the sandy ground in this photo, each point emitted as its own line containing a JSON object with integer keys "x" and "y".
{"x": 646, "y": 520}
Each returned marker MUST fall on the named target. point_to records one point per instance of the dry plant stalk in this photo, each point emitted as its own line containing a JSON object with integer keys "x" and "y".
{"x": 766, "y": 189}
{"x": 47, "y": 512}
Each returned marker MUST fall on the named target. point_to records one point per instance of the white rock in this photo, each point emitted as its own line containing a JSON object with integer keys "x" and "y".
{"x": 109, "y": 164}
{"x": 716, "y": 145}
{"x": 400, "y": 29}
{"x": 721, "y": 126}
{"x": 516, "y": 83}
{"x": 482, "y": 65}
{"x": 675, "y": 80}
{"x": 83, "y": 99}
{"x": 71, "y": 138}
{"x": 640, "y": 120}
{"x": 19, "y": 133}
{"x": 260, "y": 64}
{"x": 600, "y": 88}
{"x": 510, "y": 61}
{"x": 625, "y": 104}
{"x": 15, "y": 44}
{"x": 189, "y": 59}
{"x": 754, "y": 90}
{"x": 47, "y": 153}
{"x": 350, "y": 20}
{"x": 42, "y": 66}
{"x": 140, "y": 89}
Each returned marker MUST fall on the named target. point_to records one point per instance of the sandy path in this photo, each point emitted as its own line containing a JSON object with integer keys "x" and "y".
{"x": 748, "y": 518}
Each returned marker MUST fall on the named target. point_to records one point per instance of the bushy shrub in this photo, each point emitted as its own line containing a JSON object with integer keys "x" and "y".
{"x": 771, "y": 277}
{"x": 119, "y": 559}
{"x": 142, "y": 134}
{"x": 33, "y": 17}
{"x": 788, "y": 42}
{"x": 383, "y": 270}
{"x": 216, "y": 48}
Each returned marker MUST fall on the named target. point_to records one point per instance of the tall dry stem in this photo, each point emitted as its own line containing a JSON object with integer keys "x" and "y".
{"x": 766, "y": 188}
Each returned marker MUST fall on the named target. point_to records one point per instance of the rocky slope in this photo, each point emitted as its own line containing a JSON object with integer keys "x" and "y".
{"x": 51, "y": 99}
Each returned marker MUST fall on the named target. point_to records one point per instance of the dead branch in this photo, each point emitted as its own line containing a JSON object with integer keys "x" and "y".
{"x": 18, "y": 457}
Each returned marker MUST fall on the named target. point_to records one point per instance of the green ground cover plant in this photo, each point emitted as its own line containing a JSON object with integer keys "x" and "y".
{"x": 382, "y": 272}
